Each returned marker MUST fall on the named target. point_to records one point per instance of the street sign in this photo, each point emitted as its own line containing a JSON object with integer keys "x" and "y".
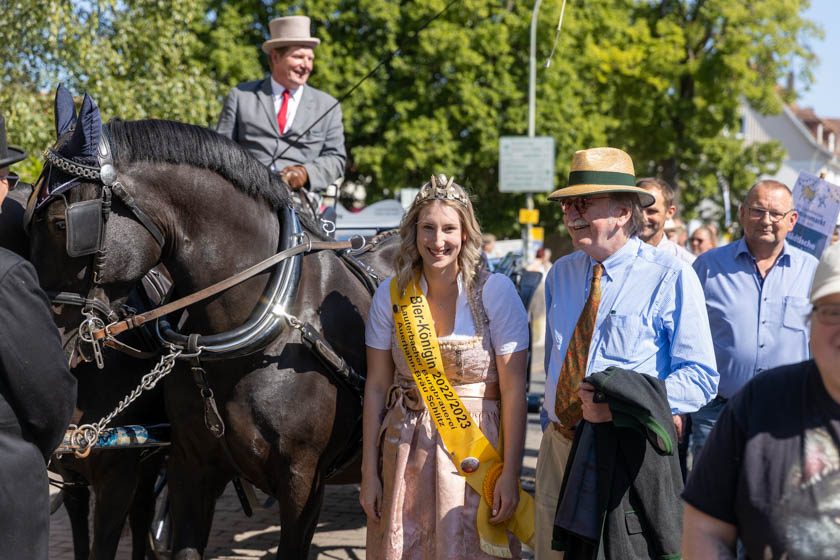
{"x": 537, "y": 234}
{"x": 527, "y": 216}
{"x": 526, "y": 164}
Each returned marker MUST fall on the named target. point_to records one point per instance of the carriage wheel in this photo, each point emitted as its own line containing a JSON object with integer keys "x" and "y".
{"x": 160, "y": 532}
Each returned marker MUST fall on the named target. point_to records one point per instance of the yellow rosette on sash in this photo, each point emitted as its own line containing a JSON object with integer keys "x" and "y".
{"x": 470, "y": 451}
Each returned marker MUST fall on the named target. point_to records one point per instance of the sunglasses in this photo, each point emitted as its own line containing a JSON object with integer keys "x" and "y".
{"x": 579, "y": 203}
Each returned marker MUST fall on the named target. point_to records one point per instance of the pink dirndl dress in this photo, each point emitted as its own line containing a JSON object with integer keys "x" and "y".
{"x": 428, "y": 509}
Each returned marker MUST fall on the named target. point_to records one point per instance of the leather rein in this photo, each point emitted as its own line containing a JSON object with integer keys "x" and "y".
{"x": 135, "y": 321}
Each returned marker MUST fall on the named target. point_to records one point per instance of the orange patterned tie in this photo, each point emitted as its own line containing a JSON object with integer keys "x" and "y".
{"x": 567, "y": 405}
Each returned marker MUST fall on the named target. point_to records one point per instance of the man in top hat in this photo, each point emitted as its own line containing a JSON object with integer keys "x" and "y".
{"x": 291, "y": 127}
{"x": 37, "y": 395}
{"x": 615, "y": 301}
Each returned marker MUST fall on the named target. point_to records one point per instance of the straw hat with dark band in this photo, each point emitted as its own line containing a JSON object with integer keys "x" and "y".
{"x": 602, "y": 171}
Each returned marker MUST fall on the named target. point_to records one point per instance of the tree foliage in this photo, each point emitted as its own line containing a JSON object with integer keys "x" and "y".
{"x": 677, "y": 72}
{"x": 662, "y": 79}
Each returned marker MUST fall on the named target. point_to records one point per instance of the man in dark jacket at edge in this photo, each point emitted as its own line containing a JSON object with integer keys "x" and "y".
{"x": 37, "y": 395}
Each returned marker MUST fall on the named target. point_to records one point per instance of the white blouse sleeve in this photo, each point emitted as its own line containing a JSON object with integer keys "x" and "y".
{"x": 507, "y": 315}
{"x": 379, "y": 328}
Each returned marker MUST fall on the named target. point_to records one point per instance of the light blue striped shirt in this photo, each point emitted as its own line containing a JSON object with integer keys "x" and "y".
{"x": 652, "y": 319}
{"x": 756, "y": 325}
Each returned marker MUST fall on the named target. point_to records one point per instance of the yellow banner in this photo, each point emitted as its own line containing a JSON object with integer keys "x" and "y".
{"x": 467, "y": 446}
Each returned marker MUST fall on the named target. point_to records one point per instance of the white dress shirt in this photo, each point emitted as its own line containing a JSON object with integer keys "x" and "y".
{"x": 294, "y": 101}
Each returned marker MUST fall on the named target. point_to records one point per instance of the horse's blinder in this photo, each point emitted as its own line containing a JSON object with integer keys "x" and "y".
{"x": 85, "y": 223}
{"x": 84, "y": 227}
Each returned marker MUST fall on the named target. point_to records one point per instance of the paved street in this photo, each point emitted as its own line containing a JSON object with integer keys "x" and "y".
{"x": 341, "y": 530}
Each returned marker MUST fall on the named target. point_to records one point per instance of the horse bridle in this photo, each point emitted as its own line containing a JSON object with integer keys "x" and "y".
{"x": 86, "y": 222}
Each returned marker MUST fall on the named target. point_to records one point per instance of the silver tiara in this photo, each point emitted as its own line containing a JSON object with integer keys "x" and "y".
{"x": 441, "y": 188}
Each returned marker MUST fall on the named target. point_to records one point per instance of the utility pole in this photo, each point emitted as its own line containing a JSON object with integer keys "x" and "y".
{"x": 532, "y": 104}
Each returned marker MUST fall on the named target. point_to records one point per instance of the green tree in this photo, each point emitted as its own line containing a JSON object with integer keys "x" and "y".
{"x": 662, "y": 79}
{"x": 137, "y": 59}
{"x": 676, "y": 72}
{"x": 455, "y": 87}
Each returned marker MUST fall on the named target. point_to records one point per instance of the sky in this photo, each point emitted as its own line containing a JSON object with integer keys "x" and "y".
{"x": 824, "y": 95}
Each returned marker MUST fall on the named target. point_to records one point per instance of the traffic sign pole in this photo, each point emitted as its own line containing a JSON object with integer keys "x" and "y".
{"x": 532, "y": 102}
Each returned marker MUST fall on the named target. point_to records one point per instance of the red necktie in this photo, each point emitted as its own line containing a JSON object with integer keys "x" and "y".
{"x": 567, "y": 405}
{"x": 281, "y": 114}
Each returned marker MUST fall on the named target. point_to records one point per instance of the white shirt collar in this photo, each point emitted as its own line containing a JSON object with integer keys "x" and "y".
{"x": 277, "y": 91}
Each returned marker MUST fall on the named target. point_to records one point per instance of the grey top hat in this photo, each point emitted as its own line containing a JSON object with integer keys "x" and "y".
{"x": 289, "y": 30}
{"x": 8, "y": 154}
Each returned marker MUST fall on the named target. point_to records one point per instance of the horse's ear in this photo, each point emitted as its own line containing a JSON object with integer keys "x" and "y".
{"x": 65, "y": 111}
{"x": 88, "y": 129}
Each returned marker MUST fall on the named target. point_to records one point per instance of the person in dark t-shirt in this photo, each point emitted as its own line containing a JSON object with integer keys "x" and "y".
{"x": 769, "y": 474}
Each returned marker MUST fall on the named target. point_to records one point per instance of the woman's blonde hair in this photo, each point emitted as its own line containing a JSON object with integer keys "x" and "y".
{"x": 439, "y": 188}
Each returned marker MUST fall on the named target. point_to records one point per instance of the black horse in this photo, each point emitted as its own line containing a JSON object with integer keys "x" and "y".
{"x": 122, "y": 481}
{"x": 201, "y": 205}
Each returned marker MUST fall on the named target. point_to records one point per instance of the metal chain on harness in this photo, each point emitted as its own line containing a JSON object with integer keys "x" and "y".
{"x": 71, "y": 167}
{"x": 84, "y": 437}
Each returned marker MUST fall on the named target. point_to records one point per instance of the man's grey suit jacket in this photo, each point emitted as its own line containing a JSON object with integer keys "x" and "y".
{"x": 249, "y": 119}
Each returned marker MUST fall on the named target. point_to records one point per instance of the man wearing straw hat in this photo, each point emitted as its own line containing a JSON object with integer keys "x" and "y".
{"x": 615, "y": 301}
{"x": 292, "y": 128}
{"x": 37, "y": 395}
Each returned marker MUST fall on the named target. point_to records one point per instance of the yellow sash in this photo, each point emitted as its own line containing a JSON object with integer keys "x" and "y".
{"x": 461, "y": 436}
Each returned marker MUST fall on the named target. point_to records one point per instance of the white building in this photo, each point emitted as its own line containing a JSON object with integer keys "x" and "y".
{"x": 812, "y": 143}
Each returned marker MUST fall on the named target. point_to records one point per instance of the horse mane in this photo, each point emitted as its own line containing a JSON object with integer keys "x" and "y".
{"x": 159, "y": 141}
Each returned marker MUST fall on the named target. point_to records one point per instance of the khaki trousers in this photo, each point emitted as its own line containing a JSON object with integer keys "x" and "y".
{"x": 551, "y": 464}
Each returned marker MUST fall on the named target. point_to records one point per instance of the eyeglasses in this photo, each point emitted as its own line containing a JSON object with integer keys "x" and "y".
{"x": 12, "y": 180}
{"x": 827, "y": 314}
{"x": 579, "y": 203}
{"x": 759, "y": 213}
{"x": 696, "y": 240}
